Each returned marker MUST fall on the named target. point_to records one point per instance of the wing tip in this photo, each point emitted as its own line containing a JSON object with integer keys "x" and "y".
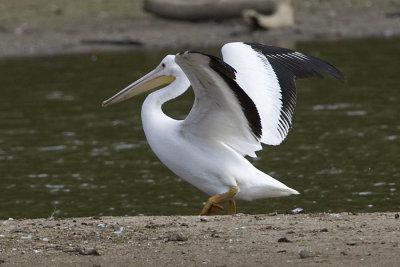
{"x": 327, "y": 67}
{"x": 337, "y": 74}
{"x": 319, "y": 63}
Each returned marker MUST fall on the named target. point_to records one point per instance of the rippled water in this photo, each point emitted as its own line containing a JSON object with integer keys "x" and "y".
{"x": 61, "y": 152}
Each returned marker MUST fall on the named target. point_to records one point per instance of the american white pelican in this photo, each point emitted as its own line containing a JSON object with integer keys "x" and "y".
{"x": 241, "y": 102}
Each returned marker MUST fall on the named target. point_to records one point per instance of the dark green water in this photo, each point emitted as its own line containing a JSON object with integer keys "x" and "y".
{"x": 59, "y": 150}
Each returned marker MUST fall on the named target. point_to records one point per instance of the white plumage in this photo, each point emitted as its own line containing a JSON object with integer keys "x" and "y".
{"x": 251, "y": 77}
{"x": 241, "y": 102}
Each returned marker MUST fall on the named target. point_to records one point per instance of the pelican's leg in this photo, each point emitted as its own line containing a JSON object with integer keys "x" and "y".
{"x": 231, "y": 207}
{"x": 212, "y": 203}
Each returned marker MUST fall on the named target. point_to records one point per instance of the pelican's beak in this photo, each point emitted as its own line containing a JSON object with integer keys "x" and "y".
{"x": 150, "y": 81}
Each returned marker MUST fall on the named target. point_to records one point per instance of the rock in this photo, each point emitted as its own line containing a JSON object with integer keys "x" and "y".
{"x": 324, "y": 230}
{"x": 215, "y": 235}
{"x": 26, "y": 237}
{"x": 119, "y": 231}
{"x": 306, "y": 254}
{"x": 19, "y": 230}
{"x": 92, "y": 251}
{"x": 396, "y": 216}
{"x": 89, "y": 251}
{"x": 174, "y": 236}
{"x": 258, "y": 218}
{"x": 284, "y": 240}
{"x": 297, "y": 211}
{"x": 204, "y": 219}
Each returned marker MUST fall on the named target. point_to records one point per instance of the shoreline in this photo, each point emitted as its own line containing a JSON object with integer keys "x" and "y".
{"x": 321, "y": 239}
{"x": 60, "y": 29}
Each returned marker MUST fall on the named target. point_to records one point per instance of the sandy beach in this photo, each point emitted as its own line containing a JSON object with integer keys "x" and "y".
{"x": 323, "y": 239}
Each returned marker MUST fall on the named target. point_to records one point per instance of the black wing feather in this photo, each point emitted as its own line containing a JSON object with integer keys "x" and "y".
{"x": 289, "y": 65}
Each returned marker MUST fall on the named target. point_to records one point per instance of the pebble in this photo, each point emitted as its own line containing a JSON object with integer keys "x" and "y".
{"x": 284, "y": 240}
{"x": 305, "y": 254}
{"x": 119, "y": 231}
{"x": 204, "y": 219}
{"x": 297, "y": 211}
{"x": 396, "y": 216}
{"x": 176, "y": 237}
{"x": 26, "y": 237}
{"x": 258, "y": 218}
{"x": 18, "y": 230}
{"x": 90, "y": 251}
{"x": 215, "y": 235}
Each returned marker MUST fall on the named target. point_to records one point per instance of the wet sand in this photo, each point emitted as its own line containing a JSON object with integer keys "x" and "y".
{"x": 245, "y": 240}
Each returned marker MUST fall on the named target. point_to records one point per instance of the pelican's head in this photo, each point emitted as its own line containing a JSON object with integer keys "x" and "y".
{"x": 165, "y": 73}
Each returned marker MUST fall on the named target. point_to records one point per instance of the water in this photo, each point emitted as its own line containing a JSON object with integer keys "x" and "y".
{"x": 61, "y": 152}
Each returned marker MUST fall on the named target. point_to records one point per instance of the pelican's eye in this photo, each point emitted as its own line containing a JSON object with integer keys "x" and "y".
{"x": 163, "y": 65}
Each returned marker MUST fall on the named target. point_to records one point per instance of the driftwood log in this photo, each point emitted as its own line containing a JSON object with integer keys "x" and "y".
{"x": 206, "y": 9}
{"x": 282, "y": 18}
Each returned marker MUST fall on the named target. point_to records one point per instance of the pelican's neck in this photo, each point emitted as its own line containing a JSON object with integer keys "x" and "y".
{"x": 171, "y": 91}
{"x": 152, "y": 114}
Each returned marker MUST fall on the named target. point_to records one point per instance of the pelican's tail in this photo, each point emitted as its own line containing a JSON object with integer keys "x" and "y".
{"x": 261, "y": 185}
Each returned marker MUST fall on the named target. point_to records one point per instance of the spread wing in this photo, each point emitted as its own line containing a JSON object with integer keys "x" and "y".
{"x": 249, "y": 98}
{"x": 267, "y": 74}
{"x": 221, "y": 111}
